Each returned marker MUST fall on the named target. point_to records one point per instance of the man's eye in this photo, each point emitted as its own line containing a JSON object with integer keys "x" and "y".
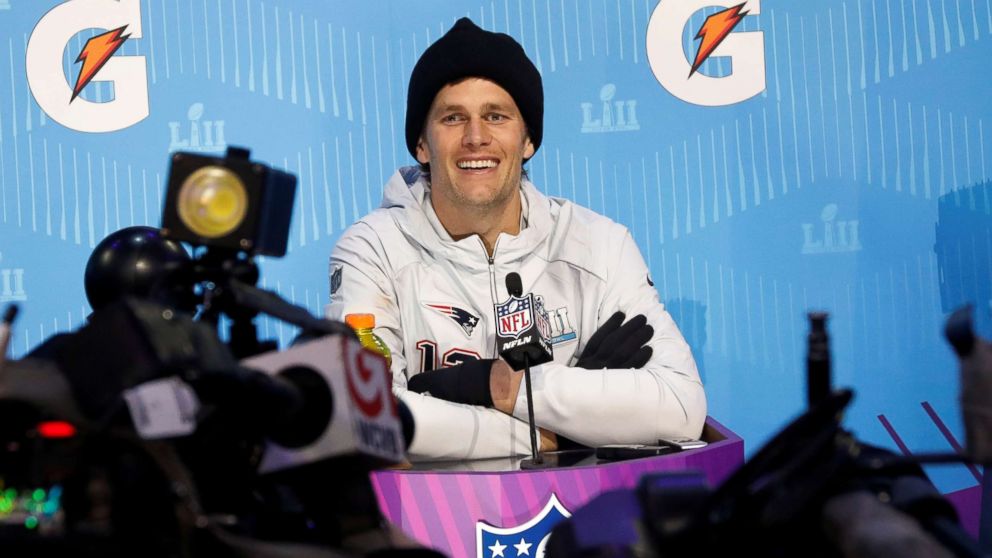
{"x": 450, "y": 118}
{"x": 496, "y": 117}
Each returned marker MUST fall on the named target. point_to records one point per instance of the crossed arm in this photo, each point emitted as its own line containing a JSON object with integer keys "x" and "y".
{"x": 617, "y": 399}
{"x": 493, "y": 383}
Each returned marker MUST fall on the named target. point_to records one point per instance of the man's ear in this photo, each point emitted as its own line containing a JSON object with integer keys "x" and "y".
{"x": 423, "y": 155}
{"x": 528, "y": 148}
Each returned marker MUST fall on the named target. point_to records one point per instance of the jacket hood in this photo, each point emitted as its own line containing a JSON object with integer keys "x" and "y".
{"x": 406, "y": 198}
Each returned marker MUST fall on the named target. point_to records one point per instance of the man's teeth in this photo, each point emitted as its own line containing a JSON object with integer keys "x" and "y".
{"x": 485, "y": 164}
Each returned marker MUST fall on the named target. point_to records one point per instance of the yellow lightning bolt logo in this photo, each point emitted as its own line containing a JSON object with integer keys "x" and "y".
{"x": 714, "y": 30}
{"x": 95, "y": 54}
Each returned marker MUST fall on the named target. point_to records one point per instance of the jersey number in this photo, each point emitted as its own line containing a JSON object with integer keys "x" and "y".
{"x": 452, "y": 357}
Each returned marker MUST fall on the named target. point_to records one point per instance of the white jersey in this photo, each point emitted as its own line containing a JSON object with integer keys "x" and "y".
{"x": 433, "y": 300}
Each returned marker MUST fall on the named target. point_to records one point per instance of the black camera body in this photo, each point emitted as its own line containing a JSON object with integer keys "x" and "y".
{"x": 112, "y": 485}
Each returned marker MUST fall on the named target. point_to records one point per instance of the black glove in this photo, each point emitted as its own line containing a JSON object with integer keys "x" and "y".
{"x": 618, "y": 346}
{"x": 466, "y": 383}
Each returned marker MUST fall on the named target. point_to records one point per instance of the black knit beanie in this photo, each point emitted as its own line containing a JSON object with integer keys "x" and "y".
{"x": 468, "y": 51}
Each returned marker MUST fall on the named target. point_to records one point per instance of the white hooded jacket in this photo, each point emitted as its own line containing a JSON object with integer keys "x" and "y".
{"x": 433, "y": 299}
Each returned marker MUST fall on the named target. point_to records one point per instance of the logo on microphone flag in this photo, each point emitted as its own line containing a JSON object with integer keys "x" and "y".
{"x": 514, "y": 316}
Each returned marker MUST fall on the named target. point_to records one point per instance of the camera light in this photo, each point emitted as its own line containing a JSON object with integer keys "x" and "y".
{"x": 228, "y": 203}
{"x": 212, "y": 202}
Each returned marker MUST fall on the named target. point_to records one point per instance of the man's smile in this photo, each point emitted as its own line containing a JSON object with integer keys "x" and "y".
{"x": 484, "y": 163}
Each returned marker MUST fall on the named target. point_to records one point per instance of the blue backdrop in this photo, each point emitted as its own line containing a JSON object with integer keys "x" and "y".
{"x": 854, "y": 181}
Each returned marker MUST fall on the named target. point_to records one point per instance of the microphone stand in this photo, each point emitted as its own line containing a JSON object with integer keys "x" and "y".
{"x": 517, "y": 354}
{"x": 545, "y": 460}
{"x": 535, "y": 454}
{"x": 817, "y": 360}
{"x": 6, "y": 332}
{"x": 538, "y": 459}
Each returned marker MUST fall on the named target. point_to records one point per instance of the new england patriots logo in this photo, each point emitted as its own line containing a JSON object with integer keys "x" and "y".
{"x": 528, "y": 539}
{"x": 460, "y": 316}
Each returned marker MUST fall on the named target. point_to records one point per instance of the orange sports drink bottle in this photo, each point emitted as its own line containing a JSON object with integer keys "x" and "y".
{"x": 363, "y": 324}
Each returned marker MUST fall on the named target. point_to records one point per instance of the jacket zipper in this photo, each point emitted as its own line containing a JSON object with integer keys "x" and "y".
{"x": 492, "y": 287}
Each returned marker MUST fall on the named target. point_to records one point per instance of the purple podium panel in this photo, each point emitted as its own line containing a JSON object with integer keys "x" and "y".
{"x": 968, "y": 503}
{"x": 491, "y": 508}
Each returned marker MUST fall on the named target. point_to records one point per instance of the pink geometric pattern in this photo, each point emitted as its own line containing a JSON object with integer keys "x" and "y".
{"x": 968, "y": 501}
{"x": 440, "y": 509}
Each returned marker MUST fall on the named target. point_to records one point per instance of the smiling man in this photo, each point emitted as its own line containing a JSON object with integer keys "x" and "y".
{"x": 430, "y": 264}
{"x": 475, "y": 142}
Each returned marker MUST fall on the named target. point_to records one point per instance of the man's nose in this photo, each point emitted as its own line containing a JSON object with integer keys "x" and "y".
{"x": 476, "y": 133}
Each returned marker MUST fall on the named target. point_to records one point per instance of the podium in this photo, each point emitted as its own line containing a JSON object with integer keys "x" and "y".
{"x": 464, "y": 508}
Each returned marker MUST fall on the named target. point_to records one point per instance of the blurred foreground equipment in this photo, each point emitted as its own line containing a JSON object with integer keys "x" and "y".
{"x": 813, "y": 490}
{"x": 144, "y": 433}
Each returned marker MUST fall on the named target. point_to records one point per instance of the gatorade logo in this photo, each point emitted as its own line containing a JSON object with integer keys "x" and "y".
{"x": 716, "y": 37}
{"x": 48, "y": 83}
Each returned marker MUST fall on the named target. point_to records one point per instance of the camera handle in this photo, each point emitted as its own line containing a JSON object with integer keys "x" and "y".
{"x": 230, "y": 289}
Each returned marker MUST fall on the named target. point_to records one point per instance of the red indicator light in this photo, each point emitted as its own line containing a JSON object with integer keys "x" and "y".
{"x": 56, "y": 429}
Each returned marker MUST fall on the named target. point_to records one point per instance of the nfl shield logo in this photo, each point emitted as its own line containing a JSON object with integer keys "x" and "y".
{"x": 513, "y": 317}
{"x": 528, "y": 539}
{"x": 541, "y": 316}
{"x": 335, "y": 279}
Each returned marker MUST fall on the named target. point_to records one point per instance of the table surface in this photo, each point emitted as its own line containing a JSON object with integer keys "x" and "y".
{"x": 714, "y": 434}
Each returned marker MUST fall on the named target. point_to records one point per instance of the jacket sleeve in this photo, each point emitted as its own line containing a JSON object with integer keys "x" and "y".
{"x": 663, "y": 399}
{"x": 442, "y": 430}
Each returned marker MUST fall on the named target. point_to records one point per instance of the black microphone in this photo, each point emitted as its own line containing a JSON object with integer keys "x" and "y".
{"x": 318, "y": 400}
{"x": 522, "y": 328}
{"x": 522, "y": 331}
{"x": 514, "y": 285}
{"x": 291, "y": 408}
{"x": 975, "y": 380}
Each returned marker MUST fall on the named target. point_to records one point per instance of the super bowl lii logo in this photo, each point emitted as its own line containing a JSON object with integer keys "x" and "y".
{"x": 196, "y": 134}
{"x": 832, "y": 236}
{"x": 610, "y": 114}
{"x": 11, "y": 284}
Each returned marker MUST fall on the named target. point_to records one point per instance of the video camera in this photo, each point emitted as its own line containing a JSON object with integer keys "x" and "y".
{"x": 145, "y": 432}
{"x": 813, "y": 490}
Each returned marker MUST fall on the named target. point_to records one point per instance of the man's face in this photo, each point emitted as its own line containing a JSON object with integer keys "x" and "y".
{"x": 475, "y": 141}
